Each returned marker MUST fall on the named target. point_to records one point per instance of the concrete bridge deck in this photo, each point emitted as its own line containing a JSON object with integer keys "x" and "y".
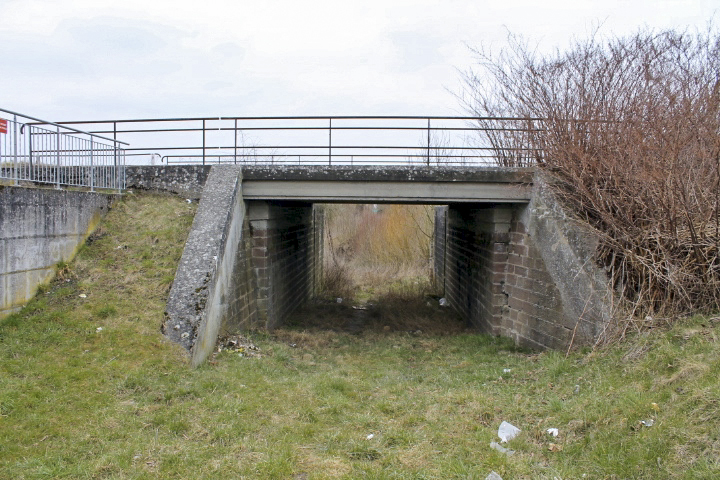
{"x": 373, "y": 184}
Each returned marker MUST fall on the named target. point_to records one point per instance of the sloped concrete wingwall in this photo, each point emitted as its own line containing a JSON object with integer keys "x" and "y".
{"x": 40, "y": 227}
{"x": 213, "y": 287}
{"x": 560, "y": 296}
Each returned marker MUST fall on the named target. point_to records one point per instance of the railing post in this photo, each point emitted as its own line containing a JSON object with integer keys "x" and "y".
{"x": 30, "y": 152}
{"x": 92, "y": 168}
{"x": 203, "y": 141}
{"x": 428, "y": 142}
{"x": 235, "y": 135}
{"x": 115, "y": 158}
{"x": 330, "y": 142}
{"x": 15, "y": 153}
{"x": 57, "y": 150}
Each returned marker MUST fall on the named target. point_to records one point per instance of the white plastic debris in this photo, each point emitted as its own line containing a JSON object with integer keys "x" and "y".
{"x": 507, "y": 370}
{"x": 188, "y": 200}
{"x": 82, "y": 295}
{"x": 98, "y": 329}
{"x": 370, "y": 437}
{"x": 185, "y": 335}
{"x": 648, "y": 423}
{"x": 338, "y": 300}
{"x": 493, "y": 476}
{"x": 443, "y": 302}
{"x": 501, "y": 449}
{"x": 177, "y": 327}
{"x": 507, "y": 431}
{"x": 553, "y": 431}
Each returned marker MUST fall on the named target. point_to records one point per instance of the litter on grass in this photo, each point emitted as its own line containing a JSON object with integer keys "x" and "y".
{"x": 553, "y": 431}
{"x": 501, "y": 449}
{"x": 507, "y": 432}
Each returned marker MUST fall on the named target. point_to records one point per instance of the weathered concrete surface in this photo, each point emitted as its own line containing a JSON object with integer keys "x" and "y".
{"x": 185, "y": 180}
{"x": 364, "y": 184}
{"x": 40, "y": 227}
{"x": 364, "y": 173}
{"x": 568, "y": 249}
{"x": 213, "y": 286}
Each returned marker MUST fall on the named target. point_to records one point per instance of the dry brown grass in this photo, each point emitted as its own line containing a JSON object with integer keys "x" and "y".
{"x": 629, "y": 128}
{"x": 375, "y": 245}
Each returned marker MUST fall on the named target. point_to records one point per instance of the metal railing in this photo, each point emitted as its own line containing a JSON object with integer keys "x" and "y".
{"x": 338, "y": 140}
{"x": 45, "y": 152}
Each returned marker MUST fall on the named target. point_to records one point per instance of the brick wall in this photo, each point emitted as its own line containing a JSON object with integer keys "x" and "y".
{"x": 438, "y": 252}
{"x": 534, "y": 315}
{"x": 517, "y": 271}
{"x": 475, "y": 259}
{"x": 283, "y": 258}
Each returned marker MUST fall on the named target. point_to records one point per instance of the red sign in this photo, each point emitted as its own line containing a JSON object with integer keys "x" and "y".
{"x": 3, "y": 126}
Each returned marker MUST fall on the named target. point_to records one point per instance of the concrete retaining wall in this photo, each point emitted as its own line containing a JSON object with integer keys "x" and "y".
{"x": 565, "y": 296}
{"x": 40, "y": 227}
{"x": 213, "y": 287}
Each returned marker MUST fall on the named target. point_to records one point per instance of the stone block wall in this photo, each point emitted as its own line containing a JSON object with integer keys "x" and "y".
{"x": 283, "y": 257}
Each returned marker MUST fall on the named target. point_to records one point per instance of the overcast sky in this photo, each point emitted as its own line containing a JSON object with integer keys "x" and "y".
{"x": 98, "y": 59}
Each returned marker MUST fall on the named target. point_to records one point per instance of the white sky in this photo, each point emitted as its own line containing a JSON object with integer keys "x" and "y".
{"x": 99, "y": 59}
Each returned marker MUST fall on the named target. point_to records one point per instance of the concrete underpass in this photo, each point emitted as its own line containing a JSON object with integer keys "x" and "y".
{"x": 509, "y": 261}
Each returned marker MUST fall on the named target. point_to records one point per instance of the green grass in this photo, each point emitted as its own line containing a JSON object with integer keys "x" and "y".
{"x": 122, "y": 402}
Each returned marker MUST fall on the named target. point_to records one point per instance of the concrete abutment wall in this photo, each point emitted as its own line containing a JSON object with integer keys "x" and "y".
{"x": 246, "y": 264}
{"x": 523, "y": 271}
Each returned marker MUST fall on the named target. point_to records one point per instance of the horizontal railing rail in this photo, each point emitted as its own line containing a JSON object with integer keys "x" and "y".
{"x": 38, "y": 151}
{"x": 319, "y": 140}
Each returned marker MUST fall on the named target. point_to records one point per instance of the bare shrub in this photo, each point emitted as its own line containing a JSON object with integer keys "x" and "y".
{"x": 629, "y": 127}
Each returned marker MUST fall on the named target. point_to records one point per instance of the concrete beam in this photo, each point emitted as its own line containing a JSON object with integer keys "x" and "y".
{"x": 357, "y": 191}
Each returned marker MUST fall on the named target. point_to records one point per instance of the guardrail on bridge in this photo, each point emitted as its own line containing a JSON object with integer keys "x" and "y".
{"x": 337, "y": 140}
{"x": 46, "y": 152}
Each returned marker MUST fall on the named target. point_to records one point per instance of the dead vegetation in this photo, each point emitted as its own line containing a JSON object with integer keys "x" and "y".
{"x": 376, "y": 277}
{"x": 374, "y": 246}
{"x": 629, "y": 129}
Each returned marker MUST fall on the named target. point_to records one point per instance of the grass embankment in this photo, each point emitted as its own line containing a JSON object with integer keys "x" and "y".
{"x": 123, "y": 403}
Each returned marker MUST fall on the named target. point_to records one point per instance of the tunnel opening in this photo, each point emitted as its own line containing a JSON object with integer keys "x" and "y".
{"x": 377, "y": 273}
